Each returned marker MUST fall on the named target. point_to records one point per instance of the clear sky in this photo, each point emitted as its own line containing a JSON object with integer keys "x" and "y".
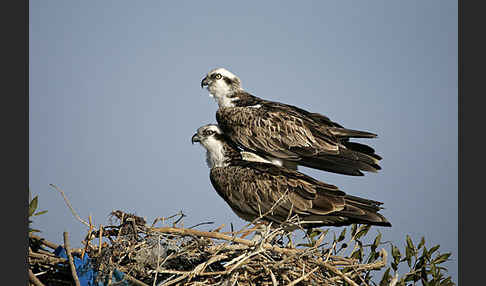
{"x": 115, "y": 96}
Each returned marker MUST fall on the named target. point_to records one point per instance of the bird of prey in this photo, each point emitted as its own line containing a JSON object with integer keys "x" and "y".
{"x": 253, "y": 189}
{"x": 287, "y": 135}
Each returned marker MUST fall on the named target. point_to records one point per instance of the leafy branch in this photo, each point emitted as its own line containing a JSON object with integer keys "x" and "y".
{"x": 33, "y": 204}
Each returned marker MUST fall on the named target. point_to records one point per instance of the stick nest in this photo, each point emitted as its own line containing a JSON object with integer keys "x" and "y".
{"x": 174, "y": 255}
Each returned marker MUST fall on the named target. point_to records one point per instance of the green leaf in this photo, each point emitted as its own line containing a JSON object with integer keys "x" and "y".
{"x": 34, "y": 230}
{"x": 421, "y": 243}
{"x": 33, "y": 205}
{"x": 373, "y": 256}
{"x": 385, "y": 278}
{"x": 363, "y": 230}
{"x": 376, "y": 242}
{"x": 442, "y": 268}
{"x": 39, "y": 213}
{"x": 426, "y": 254}
{"x": 408, "y": 255}
{"x": 434, "y": 271}
{"x": 342, "y": 235}
{"x": 447, "y": 281}
{"x": 410, "y": 244}
{"x": 343, "y": 246}
{"x": 423, "y": 274}
{"x": 357, "y": 254}
{"x": 396, "y": 254}
{"x": 313, "y": 234}
{"x": 419, "y": 263}
{"x": 410, "y": 277}
{"x": 354, "y": 228}
{"x": 316, "y": 231}
{"x": 441, "y": 258}
{"x": 324, "y": 232}
{"x": 433, "y": 249}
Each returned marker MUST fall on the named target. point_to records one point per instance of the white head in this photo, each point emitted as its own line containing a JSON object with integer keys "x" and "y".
{"x": 222, "y": 84}
{"x": 210, "y": 137}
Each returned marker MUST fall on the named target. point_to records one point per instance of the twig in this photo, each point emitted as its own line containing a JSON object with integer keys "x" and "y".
{"x": 303, "y": 277}
{"x": 249, "y": 231}
{"x": 158, "y": 260}
{"x": 218, "y": 228}
{"x": 52, "y": 244}
{"x": 240, "y": 261}
{"x": 175, "y": 280}
{"x": 163, "y": 219}
{"x": 198, "y": 270}
{"x": 179, "y": 219}
{"x": 360, "y": 278}
{"x": 45, "y": 242}
{"x": 69, "y": 205}
{"x": 217, "y": 235}
{"x": 286, "y": 259}
{"x": 201, "y": 223}
{"x": 110, "y": 276}
{"x": 34, "y": 279}
{"x": 338, "y": 272}
{"x": 42, "y": 251}
{"x": 274, "y": 280}
{"x": 179, "y": 272}
{"x": 47, "y": 258}
{"x": 134, "y": 280}
{"x": 330, "y": 251}
{"x": 201, "y": 267}
{"x": 101, "y": 239}
{"x": 162, "y": 283}
{"x": 70, "y": 258}
{"x": 394, "y": 280}
{"x": 88, "y": 237}
{"x": 373, "y": 266}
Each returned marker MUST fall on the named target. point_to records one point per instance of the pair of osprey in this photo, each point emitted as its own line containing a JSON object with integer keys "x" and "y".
{"x": 254, "y": 151}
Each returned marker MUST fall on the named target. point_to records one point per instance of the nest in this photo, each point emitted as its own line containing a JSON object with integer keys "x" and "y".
{"x": 174, "y": 255}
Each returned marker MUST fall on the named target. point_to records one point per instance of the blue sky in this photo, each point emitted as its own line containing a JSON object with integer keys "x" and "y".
{"x": 115, "y": 97}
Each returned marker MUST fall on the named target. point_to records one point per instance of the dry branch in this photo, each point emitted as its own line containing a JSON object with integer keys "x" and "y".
{"x": 34, "y": 279}
{"x": 69, "y": 205}
{"x": 70, "y": 258}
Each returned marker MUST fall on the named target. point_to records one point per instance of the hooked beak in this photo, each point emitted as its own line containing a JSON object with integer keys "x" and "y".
{"x": 204, "y": 82}
{"x": 195, "y": 138}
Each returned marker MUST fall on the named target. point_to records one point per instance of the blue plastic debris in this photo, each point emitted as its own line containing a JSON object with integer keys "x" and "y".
{"x": 86, "y": 274}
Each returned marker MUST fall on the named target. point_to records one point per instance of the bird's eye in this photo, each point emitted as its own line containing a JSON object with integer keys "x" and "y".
{"x": 209, "y": 132}
{"x": 218, "y": 76}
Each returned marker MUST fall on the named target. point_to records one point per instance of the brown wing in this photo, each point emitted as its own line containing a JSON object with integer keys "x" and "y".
{"x": 252, "y": 189}
{"x": 286, "y": 134}
{"x": 275, "y": 132}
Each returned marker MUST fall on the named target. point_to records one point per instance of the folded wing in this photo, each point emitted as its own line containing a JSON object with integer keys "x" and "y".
{"x": 253, "y": 189}
{"x": 293, "y": 134}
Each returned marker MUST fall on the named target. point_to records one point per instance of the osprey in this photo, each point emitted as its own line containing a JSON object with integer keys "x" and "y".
{"x": 253, "y": 189}
{"x": 287, "y": 135}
